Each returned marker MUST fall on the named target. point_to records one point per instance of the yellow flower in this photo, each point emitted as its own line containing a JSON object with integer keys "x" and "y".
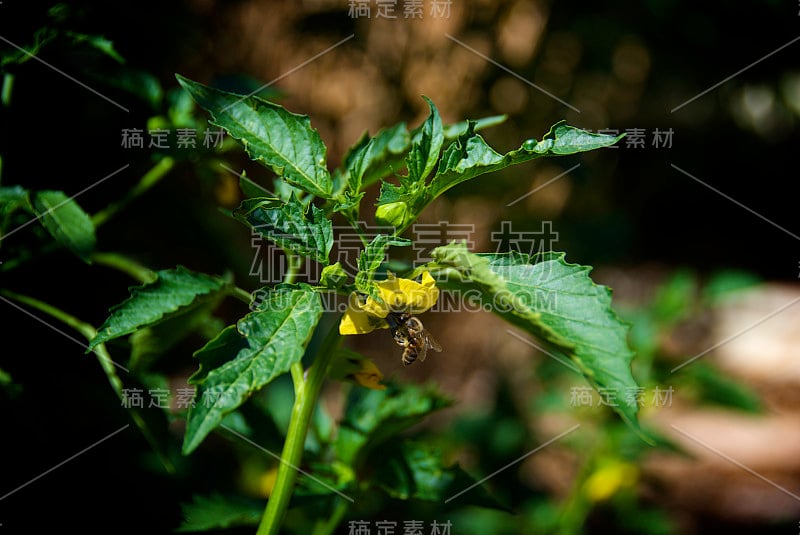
{"x": 369, "y": 376}
{"x": 608, "y": 479}
{"x": 399, "y": 295}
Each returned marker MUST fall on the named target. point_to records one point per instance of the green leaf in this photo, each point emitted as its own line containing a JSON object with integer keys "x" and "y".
{"x": 415, "y": 470}
{"x": 425, "y": 151}
{"x": 453, "y": 131}
{"x": 287, "y": 224}
{"x": 139, "y": 83}
{"x": 283, "y": 141}
{"x": 219, "y": 512}
{"x": 371, "y": 258}
{"x": 151, "y": 303}
{"x": 716, "y": 387}
{"x": 333, "y": 276}
{"x": 98, "y": 42}
{"x": 384, "y": 154}
{"x": 556, "y": 302}
{"x": 66, "y": 222}
{"x": 217, "y": 352}
{"x": 469, "y": 156}
{"x": 276, "y": 337}
{"x": 398, "y": 206}
{"x": 373, "y": 158}
{"x": 12, "y": 198}
{"x": 374, "y": 416}
{"x": 150, "y": 343}
{"x": 251, "y": 189}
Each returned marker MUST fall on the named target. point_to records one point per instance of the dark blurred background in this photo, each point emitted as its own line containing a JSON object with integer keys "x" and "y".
{"x": 628, "y": 210}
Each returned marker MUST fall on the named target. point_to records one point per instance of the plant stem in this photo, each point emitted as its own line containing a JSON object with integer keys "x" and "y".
{"x": 126, "y": 265}
{"x": 241, "y": 294}
{"x": 304, "y": 403}
{"x": 150, "y": 179}
{"x": 8, "y": 84}
{"x": 295, "y": 262}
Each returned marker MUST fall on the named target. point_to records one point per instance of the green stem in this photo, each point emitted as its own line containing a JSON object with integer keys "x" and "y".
{"x": 295, "y": 262}
{"x": 150, "y": 179}
{"x": 126, "y": 265}
{"x": 302, "y": 410}
{"x": 8, "y": 84}
{"x": 241, "y": 294}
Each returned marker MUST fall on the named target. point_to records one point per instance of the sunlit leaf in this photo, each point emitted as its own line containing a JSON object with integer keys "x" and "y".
{"x": 289, "y": 226}
{"x": 553, "y": 300}
{"x": 283, "y": 141}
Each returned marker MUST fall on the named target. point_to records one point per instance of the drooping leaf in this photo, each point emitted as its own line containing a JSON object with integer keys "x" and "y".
{"x": 283, "y": 141}
{"x": 556, "y": 302}
{"x": 205, "y": 513}
{"x": 288, "y": 225}
{"x": 371, "y": 258}
{"x": 66, "y": 222}
{"x": 151, "y": 303}
{"x": 276, "y": 336}
{"x": 373, "y": 416}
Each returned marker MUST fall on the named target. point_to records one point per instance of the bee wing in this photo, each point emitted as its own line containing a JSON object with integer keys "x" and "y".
{"x": 432, "y": 343}
{"x": 422, "y": 351}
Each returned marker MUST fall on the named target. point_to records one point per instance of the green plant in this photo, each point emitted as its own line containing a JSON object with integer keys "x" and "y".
{"x": 286, "y": 333}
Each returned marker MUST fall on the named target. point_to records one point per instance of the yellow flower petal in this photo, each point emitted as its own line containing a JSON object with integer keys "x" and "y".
{"x": 398, "y": 295}
{"x": 404, "y": 295}
{"x": 369, "y": 376}
{"x": 607, "y": 480}
{"x": 358, "y": 321}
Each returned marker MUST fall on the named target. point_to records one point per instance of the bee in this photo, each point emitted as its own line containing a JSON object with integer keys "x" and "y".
{"x": 409, "y": 333}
